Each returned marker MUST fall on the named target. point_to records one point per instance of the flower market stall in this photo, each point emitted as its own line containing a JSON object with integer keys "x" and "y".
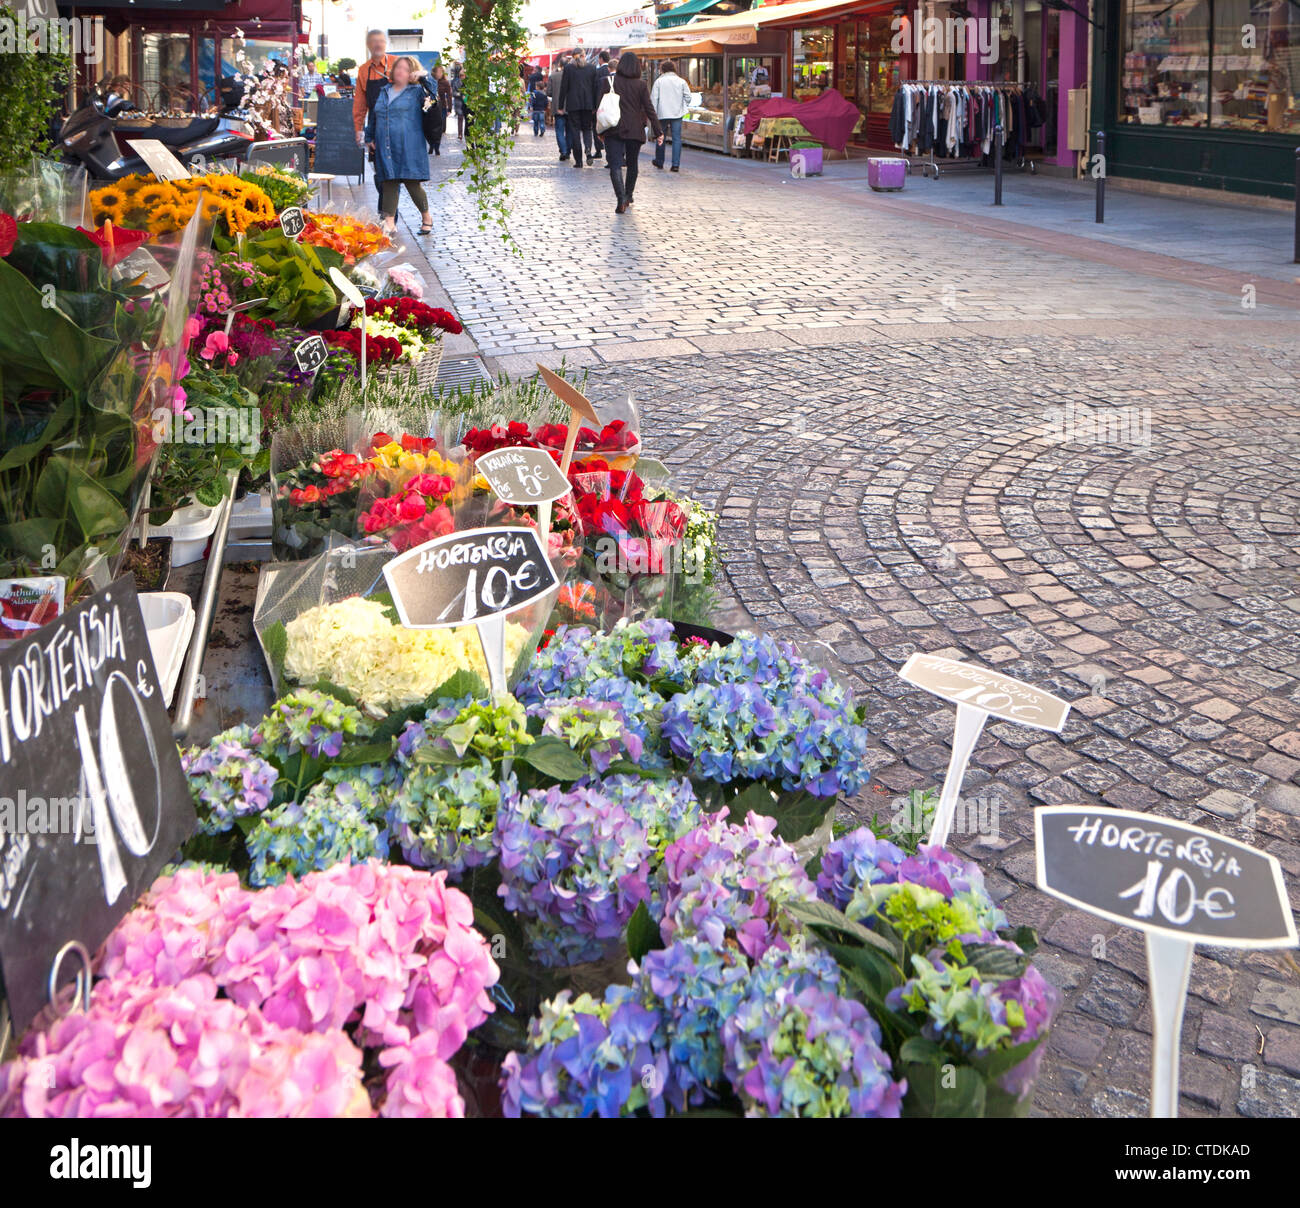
{"x": 522, "y": 833}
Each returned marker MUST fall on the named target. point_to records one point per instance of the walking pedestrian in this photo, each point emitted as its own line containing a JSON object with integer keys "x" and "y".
{"x": 623, "y": 142}
{"x": 458, "y": 97}
{"x": 554, "y": 85}
{"x": 578, "y": 104}
{"x": 539, "y": 101}
{"x": 603, "y": 73}
{"x": 372, "y": 76}
{"x": 395, "y": 129}
{"x": 439, "y": 88}
{"x": 672, "y": 98}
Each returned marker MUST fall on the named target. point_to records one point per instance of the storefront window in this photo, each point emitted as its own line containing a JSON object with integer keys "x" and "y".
{"x": 885, "y": 72}
{"x": 704, "y": 74}
{"x": 165, "y": 71}
{"x": 1166, "y": 71}
{"x": 1253, "y": 82}
{"x": 812, "y": 53}
{"x": 751, "y": 78}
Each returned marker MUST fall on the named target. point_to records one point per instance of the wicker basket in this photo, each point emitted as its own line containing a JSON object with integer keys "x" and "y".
{"x": 425, "y": 370}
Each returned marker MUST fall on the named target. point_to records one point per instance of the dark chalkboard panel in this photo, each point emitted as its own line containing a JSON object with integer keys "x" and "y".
{"x": 93, "y": 801}
{"x": 288, "y": 153}
{"x": 336, "y": 139}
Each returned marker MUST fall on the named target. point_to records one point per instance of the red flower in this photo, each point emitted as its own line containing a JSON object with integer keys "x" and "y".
{"x": 115, "y": 243}
{"x": 8, "y": 234}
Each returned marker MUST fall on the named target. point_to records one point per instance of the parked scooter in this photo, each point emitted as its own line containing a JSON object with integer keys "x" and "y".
{"x": 97, "y": 136}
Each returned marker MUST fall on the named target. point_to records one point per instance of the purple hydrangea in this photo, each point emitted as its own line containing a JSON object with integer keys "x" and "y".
{"x": 726, "y": 881}
{"x": 229, "y": 779}
{"x": 796, "y": 1047}
{"x": 577, "y": 862}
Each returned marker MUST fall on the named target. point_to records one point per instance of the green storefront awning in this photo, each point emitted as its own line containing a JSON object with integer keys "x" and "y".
{"x": 684, "y": 12}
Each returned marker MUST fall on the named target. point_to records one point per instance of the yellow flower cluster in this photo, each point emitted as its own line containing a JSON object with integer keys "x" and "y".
{"x": 144, "y": 203}
{"x": 352, "y": 643}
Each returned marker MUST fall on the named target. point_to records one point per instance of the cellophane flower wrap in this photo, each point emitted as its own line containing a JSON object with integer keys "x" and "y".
{"x": 316, "y": 479}
{"x": 330, "y": 621}
{"x": 214, "y": 1000}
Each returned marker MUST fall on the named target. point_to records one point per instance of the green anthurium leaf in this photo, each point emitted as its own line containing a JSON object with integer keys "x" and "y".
{"x": 32, "y": 538}
{"x": 97, "y": 511}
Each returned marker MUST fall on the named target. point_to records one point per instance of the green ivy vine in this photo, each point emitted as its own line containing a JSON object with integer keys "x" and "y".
{"x": 494, "y": 42}
{"x": 30, "y": 95}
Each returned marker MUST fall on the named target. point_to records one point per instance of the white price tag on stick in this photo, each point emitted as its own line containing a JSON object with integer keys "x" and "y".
{"x": 349, "y": 291}
{"x": 159, "y": 159}
{"x": 1182, "y": 885}
{"x": 978, "y": 693}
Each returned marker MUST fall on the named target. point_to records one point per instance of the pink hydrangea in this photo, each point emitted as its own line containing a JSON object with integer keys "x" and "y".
{"x": 389, "y": 952}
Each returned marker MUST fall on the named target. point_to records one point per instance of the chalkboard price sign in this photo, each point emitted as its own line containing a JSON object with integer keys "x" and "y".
{"x": 292, "y": 223}
{"x": 523, "y": 477}
{"x": 310, "y": 354}
{"x": 93, "y": 801}
{"x": 467, "y": 577}
{"x": 1161, "y": 876}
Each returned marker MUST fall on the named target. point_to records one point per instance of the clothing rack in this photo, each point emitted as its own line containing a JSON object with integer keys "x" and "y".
{"x": 931, "y": 166}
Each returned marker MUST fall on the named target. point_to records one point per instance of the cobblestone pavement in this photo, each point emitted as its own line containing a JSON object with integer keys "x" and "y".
{"x": 900, "y": 433}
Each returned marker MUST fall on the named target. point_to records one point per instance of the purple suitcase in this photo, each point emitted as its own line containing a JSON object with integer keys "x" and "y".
{"x": 886, "y": 175}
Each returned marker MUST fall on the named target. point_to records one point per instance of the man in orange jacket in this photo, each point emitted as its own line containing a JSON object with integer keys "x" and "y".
{"x": 372, "y": 75}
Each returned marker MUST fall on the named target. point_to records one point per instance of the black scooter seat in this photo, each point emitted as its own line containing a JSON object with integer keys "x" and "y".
{"x": 171, "y": 136}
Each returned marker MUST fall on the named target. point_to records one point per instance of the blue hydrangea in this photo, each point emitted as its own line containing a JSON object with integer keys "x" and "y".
{"x": 597, "y": 730}
{"x": 586, "y": 1057}
{"x": 444, "y": 817}
{"x": 338, "y": 822}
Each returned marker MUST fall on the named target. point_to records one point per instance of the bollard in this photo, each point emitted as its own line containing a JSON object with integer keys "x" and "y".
{"x": 1100, "y": 169}
{"x": 1297, "y": 205}
{"x": 997, "y": 165}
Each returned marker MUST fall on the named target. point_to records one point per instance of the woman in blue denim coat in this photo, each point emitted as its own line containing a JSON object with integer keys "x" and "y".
{"x": 395, "y": 129}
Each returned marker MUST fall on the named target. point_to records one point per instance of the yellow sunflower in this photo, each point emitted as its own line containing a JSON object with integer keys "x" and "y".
{"x": 110, "y": 197}
{"x": 163, "y": 219}
{"x": 150, "y": 197}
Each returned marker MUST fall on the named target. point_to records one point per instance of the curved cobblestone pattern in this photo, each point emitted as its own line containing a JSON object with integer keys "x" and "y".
{"x": 872, "y": 503}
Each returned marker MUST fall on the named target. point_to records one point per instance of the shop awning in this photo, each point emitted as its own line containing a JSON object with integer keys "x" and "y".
{"x": 684, "y": 12}
{"x": 775, "y": 16}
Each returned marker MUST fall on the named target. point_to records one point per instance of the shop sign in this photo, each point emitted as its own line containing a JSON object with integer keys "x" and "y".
{"x": 1182, "y": 885}
{"x": 93, "y": 801}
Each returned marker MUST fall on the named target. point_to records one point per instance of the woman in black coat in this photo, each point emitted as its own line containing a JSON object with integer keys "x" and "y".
{"x": 623, "y": 142}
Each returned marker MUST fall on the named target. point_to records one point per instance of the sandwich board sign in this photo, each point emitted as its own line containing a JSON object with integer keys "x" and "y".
{"x": 1182, "y": 885}
{"x": 476, "y": 577}
{"x": 979, "y": 693}
{"x": 93, "y": 800}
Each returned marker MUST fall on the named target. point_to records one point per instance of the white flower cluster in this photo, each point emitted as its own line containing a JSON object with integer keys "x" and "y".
{"x": 353, "y": 644}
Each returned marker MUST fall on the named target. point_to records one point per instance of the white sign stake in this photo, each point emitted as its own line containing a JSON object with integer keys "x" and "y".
{"x": 1169, "y": 968}
{"x": 1181, "y": 885}
{"x": 357, "y": 299}
{"x": 978, "y": 693}
{"x": 492, "y": 633}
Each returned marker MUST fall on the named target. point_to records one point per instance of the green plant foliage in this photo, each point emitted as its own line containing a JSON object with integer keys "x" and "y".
{"x": 31, "y": 94}
{"x": 494, "y": 42}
